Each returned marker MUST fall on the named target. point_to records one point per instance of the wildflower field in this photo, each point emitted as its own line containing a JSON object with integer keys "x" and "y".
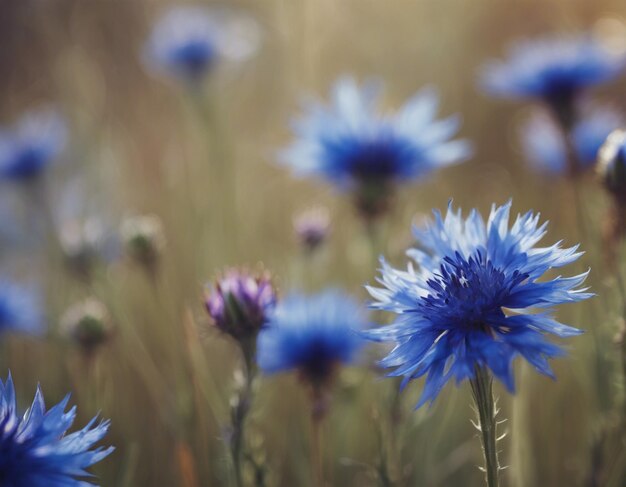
{"x": 265, "y": 243}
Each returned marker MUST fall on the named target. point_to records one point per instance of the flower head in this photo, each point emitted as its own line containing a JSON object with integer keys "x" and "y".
{"x": 354, "y": 146}
{"x": 20, "y": 309}
{"x": 312, "y": 335}
{"x": 88, "y": 324}
{"x": 188, "y": 41}
{"x": 85, "y": 243}
{"x": 36, "y": 452}
{"x": 554, "y": 70}
{"x": 470, "y": 301}
{"x": 312, "y": 227}
{"x": 612, "y": 164}
{"x": 32, "y": 144}
{"x": 239, "y": 303}
{"x": 144, "y": 239}
{"x": 545, "y": 148}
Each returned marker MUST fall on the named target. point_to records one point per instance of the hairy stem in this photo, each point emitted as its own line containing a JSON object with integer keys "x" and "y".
{"x": 483, "y": 397}
{"x": 240, "y": 412}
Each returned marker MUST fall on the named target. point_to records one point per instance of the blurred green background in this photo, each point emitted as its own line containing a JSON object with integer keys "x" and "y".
{"x": 205, "y": 165}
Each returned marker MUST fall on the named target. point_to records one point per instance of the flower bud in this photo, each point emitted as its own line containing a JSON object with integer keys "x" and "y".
{"x": 81, "y": 243}
{"x": 238, "y": 303}
{"x": 144, "y": 239}
{"x": 312, "y": 227}
{"x": 88, "y": 324}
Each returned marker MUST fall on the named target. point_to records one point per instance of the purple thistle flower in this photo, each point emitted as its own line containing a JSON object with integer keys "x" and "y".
{"x": 239, "y": 302}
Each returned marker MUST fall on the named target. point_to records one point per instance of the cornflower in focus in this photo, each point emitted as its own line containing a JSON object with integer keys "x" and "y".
{"x": 546, "y": 149}
{"x": 468, "y": 311}
{"x": 357, "y": 148}
{"x": 312, "y": 227}
{"x": 88, "y": 324}
{"x": 453, "y": 312}
{"x": 37, "y": 452}
{"x": 20, "y": 309}
{"x": 33, "y": 143}
{"x": 187, "y": 42}
{"x": 554, "y": 70}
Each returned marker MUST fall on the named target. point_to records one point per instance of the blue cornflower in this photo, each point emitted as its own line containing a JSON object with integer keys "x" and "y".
{"x": 545, "y": 147}
{"x": 20, "y": 309}
{"x": 553, "y": 69}
{"x": 35, "y": 450}
{"x": 31, "y": 145}
{"x": 311, "y": 335}
{"x": 469, "y": 303}
{"x": 188, "y": 41}
{"x": 354, "y": 146}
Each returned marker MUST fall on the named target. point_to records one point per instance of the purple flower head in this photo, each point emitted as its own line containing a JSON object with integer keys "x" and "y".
{"x": 239, "y": 302}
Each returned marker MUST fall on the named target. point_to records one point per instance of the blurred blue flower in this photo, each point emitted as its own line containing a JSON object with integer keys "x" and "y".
{"x": 470, "y": 302}
{"x": 354, "y": 146}
{"x": 35, "y": 450}
{"x": 554, "y": 69}
{"x": 20, "y": 309}
{"x": 188, "y": 41}
{"x": 312, "y": 335}
{"x": 32, "y": 144}
{"x": 545, "y": 148}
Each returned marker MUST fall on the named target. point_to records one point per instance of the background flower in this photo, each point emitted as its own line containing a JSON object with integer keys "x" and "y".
{"x": 352, "y": 144}
{"x": 312, "y": 335}
{"x": 31, "y": 144}
{"x": 545, "y": 148}
{"x": 554, "y": 69}
{"x": 20, "y": 308}
{"x": 188, "y": 41}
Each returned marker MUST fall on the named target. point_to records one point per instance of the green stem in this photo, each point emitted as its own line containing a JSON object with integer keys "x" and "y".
{"x": 482, "y": 385}
{"x": 318, "y": 413}
{"x": 241, "y": 410}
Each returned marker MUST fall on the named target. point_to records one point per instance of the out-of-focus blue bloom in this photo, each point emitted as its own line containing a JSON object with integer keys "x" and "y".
{"x": 240, "y": 302}
{"x": 553, "y": 69}
{"x": 20, "y": 309}
{"x": 351, "y": 144}
{"x": 470, "y": 302}
{"x": 188, "y": 41}
{"x": 31, "y": 145}
{"x": 545, "y": 148}
{"x": 35, "y": 450}
{"x": 312, "y": 335}
{"x": 612, "y": 164}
